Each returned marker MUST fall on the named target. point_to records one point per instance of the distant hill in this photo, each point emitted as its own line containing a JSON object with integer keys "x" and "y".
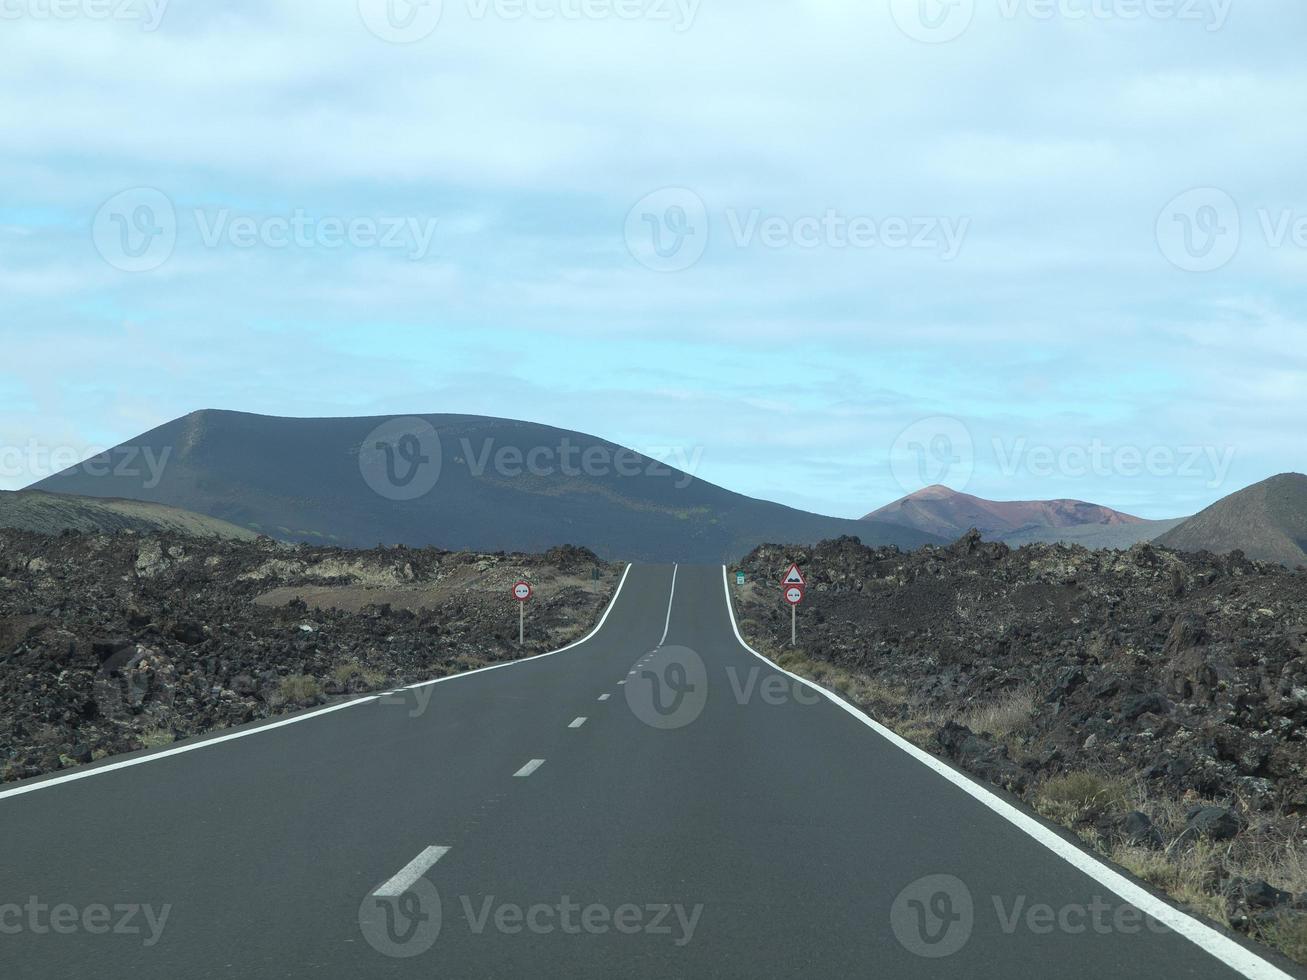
{"x": 1093, "y": 535}
{"x": 455, "y": 481}
{"x": 51, "y": 513}
{"x": 947, "y": 513}
{"x": 1267, "y": 521}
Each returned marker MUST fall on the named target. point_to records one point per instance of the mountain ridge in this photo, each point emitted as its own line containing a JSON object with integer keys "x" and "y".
{"x": 461, "y": 482}
{"x": 942, "y": 510}
{"x": 1266, "y": 521}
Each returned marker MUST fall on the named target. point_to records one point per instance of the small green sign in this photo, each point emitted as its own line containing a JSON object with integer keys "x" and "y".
{"x": 739, "y": 578}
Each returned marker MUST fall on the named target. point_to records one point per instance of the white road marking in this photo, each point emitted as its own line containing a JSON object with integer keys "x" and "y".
{"x": 604, "y": 697}
{"x": 411, "y": 872}
{"x": 670, "y": 599}
{"x": 577, "y": 723}
{"x": 1242, "y": 961}
{"x": 529, "y": 768}
{"x": 231, "y": 736}
{"x": 621, "y": 682}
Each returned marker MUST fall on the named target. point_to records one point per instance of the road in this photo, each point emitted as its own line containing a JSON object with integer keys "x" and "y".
{"x": 656, "y": 801}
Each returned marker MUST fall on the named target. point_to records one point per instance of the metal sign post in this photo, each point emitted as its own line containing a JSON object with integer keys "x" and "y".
{"x": 521, "y": 592}
{"x": 793, "y": 595}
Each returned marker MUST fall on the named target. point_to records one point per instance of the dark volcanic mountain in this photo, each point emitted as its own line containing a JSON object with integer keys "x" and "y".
{"x": 50, "y": 513}
{"x": 459, "y": 482}
{"x": 1267, "y": 522}
{"x": 939, "y": 510}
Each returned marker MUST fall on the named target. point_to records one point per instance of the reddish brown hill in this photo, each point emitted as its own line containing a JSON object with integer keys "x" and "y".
{"x": 939, "y": 510}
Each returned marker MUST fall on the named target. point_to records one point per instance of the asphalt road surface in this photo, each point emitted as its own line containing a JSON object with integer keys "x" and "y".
{"x": 656, "y": 801}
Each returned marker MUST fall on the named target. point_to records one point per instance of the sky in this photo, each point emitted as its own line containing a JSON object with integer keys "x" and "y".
{"x": 831, "y": 251}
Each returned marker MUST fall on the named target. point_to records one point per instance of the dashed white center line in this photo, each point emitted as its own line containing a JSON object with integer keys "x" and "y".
{"x": 604, "y": 697}
{"x": 529, "y": 768}
{"x": 577, "y": 723}
{"x": 621, "y": 682}
{"x": 411, "y": 872}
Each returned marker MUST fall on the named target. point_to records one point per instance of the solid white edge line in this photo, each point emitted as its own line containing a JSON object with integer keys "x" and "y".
{"x": 1233, "y": 955}
{"x": 670, "y": 599}
{"x": 529, "y": 768}
{"x": 218, "y": 740}
{"x": 577, "y": 723}
{"x": 410, "y": 873}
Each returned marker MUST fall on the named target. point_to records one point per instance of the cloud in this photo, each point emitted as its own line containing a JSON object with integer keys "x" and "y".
{"x": 1058, "y": 141}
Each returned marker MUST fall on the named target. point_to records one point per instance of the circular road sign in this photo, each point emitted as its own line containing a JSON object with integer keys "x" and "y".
{"x": 793, "y": 594}
{"x": 522, "y": 591}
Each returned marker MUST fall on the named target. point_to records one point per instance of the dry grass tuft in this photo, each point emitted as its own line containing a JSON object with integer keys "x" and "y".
{"x": 299, "y": 687}
{"x": 1080, "y": 797}
{"x": 346, "y": 670}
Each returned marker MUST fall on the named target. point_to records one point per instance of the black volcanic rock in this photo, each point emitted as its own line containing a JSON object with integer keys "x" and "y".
{"x": 1203, "y": 692}
{"x": 114, "y": 642}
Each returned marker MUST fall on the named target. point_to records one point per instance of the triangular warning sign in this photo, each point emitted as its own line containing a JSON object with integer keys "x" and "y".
{"x": 793, "y": 577}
